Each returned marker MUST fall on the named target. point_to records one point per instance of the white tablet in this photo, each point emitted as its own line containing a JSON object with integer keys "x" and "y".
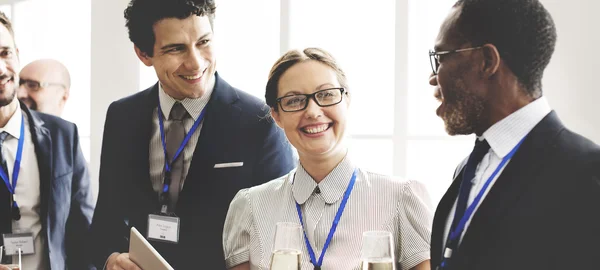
{"x": 142, "y": 253}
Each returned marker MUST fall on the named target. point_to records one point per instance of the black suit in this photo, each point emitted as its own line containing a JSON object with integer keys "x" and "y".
{"x": 234, "y": 129}
{"x": 66, "y": 200}
{"x": 543, "y": 212}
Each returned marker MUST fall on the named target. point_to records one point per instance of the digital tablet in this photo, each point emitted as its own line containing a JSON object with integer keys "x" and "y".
{"x": 142, "y": 253}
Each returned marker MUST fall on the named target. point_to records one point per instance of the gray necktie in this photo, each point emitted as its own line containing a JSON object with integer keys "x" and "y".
{"x": 174, "y": 138}
{"x": 3, "y": 136}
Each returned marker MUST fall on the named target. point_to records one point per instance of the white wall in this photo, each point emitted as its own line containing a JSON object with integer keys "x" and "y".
{"x": 571, "y": 80}
{"x": 115, "y": 69}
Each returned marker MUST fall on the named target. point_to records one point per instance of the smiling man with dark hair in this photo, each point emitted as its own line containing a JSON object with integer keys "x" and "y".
{"x": 176, "y": 154}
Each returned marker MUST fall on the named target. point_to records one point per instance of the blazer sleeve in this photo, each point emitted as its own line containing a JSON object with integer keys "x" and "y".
{"x": 275, "y": 157}
{"x": 578, "y": 214}
{"x": 81, "y": 211}
{"x": 109, "y": 231}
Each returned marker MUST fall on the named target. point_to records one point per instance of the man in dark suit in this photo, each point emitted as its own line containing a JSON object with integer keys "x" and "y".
{"x": 46, "y": 201}
{"x": 230, "y": 144}
{"x": 528, "y": 196}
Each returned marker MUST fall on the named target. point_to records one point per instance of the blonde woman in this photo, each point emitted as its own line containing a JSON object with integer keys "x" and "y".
{"x": 309, "y": 100}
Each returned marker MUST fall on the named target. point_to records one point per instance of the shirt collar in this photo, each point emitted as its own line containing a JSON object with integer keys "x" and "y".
{"x": 13, "y": 126}
{"x": 332, "y": 187}
{"x": 193, "y": 106}
{"x": 508, "y": 132}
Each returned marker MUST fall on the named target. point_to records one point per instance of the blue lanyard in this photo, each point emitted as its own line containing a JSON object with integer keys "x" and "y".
{"x": 338, "y": 215}
{"x": 454, "y": 235}
{"x": 17, "y": 166}
{"x": 168, "y": 164}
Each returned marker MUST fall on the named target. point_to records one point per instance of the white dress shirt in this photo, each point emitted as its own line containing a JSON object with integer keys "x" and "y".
{"x": 157, "y": 156}
{"x": 377, "y": 202}
{"x": 27, "y": 192}
{"x": 502, "y": 138}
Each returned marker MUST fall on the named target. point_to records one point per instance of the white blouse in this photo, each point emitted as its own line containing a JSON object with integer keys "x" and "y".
{"x": 377, "y": 203}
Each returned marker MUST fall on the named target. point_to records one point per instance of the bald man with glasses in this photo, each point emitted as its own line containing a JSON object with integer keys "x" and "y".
{"x": 44, "y": 86}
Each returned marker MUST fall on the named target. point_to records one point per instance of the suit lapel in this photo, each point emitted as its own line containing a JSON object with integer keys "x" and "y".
{"x": 517, "y": 177}
{"x": 43, "y": 151}
{"x": 221, "y": 115}
{"x": 441, "y": 216}
{"x": 145, "y": 118}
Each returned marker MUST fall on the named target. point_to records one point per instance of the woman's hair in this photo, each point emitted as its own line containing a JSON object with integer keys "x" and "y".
{"x": 293, "y": 57}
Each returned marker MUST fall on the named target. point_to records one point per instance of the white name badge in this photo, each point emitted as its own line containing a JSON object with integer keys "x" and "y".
{"x": 14, "y": 241}
{"x": 163, "y": 228}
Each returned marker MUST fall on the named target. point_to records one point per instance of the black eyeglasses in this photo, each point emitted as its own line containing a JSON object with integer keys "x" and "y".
{"x": 323, "y": 98}
{"x": 434, "y": 57}
{"x": 36, "y": 86}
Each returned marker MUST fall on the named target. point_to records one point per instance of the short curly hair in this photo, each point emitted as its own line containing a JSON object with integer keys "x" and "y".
{"x": 141, "y": 15}
{"x": 522, "y": 30}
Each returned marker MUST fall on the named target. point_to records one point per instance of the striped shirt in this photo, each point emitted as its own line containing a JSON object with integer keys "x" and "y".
{"x": 377, "y": 203}
{"x": 157, "y": 156}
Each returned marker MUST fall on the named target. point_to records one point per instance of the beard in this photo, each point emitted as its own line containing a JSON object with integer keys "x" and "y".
{"x": 7, "y": 95}
{"x": 463, "y": 110}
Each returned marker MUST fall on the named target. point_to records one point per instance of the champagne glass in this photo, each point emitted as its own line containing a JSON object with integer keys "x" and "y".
{"x": 287, "y": 246}
{"x": 11, "y": 266}
{"x": 377, "y": 251}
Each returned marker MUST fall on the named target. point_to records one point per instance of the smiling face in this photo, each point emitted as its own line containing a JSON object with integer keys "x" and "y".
{"x": 9, "y": 67}
{"x": 315, "y": 131}
{"x": 183, "y": 57}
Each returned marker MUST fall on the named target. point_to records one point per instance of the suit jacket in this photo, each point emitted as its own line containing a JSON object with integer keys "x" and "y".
{"x": 235, "y": 129}
{"x": 66, "y": 203}
{"x": 543, "y": 212}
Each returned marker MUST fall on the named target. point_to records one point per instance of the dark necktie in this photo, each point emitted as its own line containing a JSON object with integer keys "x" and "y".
{"x": 3, "y": 136}
{"x": 174, "y": 138}
{"x": 5, "y": 201}
{"x": 481, "y": 148}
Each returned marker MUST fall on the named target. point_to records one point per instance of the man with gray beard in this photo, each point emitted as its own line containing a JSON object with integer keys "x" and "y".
{"x": 528, "y": 196}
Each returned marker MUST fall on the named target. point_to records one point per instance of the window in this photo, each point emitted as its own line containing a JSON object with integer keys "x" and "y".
{"x": 383, "y": 138}
{"x": 432, "y": 155}
{"x": 247, "y": 40}
{"x": 345, "y": 30}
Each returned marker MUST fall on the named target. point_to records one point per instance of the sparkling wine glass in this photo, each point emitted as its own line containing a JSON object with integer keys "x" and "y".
{"x": 287, "y": 247}
{"x": 377, "y": 251}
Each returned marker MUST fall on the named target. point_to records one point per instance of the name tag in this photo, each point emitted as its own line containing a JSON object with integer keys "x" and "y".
{"x": 163, "y": 228}
{"x": 14, "y": 241}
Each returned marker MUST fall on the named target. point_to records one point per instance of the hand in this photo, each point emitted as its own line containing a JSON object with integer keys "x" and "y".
{"x": 5, "y": 267}
{"x": 120, "y": 261}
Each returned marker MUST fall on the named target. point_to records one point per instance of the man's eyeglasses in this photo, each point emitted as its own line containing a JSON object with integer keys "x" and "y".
{"x": 323, "y": 98}
{"x": 36, "y": 86}
{"x": 434, "y": 57}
